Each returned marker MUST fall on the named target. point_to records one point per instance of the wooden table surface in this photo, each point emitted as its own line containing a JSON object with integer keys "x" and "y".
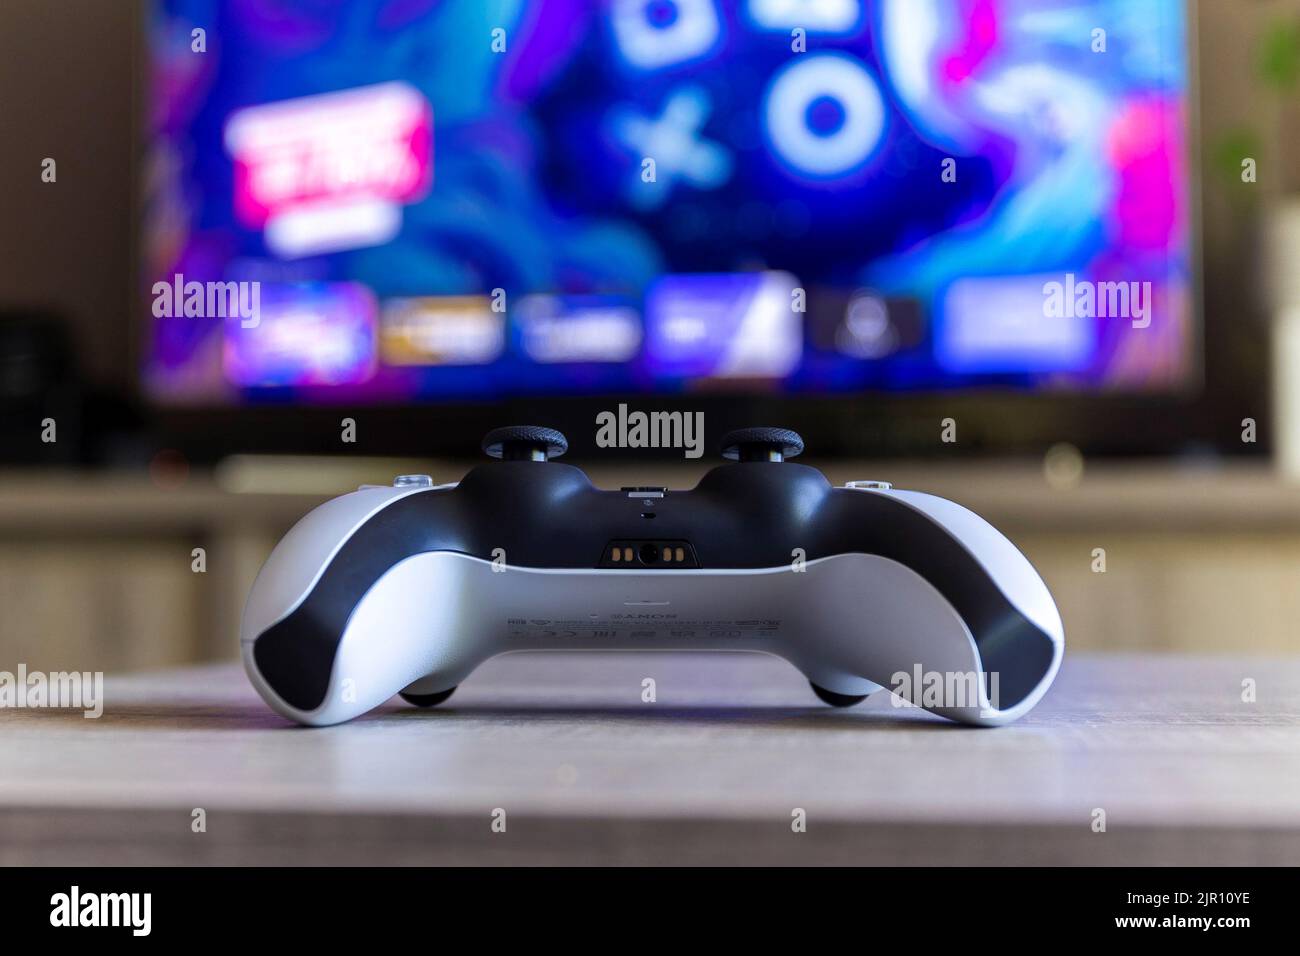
{"x": 1185, "y": 770}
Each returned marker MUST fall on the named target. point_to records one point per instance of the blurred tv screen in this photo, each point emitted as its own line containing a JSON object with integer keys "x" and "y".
{"x": 391, "y": 201}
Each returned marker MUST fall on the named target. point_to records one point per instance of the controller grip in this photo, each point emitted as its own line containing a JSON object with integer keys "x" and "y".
{"x": 416, "y": 623}
{"x": 299, "y": 654}
{"x": 298, "y": 561}
{"x": 1000, "y": 560}
{"x": 876, "y": 621}
{"x": 974, "y": 614}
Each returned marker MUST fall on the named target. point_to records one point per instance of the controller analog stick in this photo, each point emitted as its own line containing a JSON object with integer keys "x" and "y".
{"x": 426, "y": 700}
{"x": 834, "y": 699}
{"x": 525, "y": 443}
{"x": 761, "y": 444}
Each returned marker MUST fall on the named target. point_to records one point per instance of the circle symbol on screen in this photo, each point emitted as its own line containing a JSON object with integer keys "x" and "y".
{"x": 661, "y": 13}
{"x": 824, "y": 115}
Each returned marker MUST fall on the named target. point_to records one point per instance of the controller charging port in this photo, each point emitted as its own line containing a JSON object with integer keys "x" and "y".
{"x": 669, "y": 555}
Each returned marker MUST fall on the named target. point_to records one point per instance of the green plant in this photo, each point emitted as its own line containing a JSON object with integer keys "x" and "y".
{"x": 1277, "y": 70}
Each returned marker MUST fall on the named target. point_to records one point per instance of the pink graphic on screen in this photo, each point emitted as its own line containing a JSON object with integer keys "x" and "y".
{"x": 329, "y": 172}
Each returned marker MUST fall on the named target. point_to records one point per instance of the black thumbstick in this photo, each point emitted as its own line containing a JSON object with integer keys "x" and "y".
{"x": 525, "y": 443}
{"x": 761, "y": 444}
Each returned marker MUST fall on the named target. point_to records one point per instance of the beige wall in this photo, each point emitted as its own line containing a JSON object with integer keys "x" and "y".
{"x": 66, "y": 93}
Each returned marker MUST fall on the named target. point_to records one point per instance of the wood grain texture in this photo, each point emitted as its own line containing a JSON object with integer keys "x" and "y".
{"x": 1186, "y": 771}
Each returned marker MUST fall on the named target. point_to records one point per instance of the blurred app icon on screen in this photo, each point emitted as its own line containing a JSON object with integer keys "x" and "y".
{"x": 440, "y": 330}
{"x": 737, "y": 325}
{"x": 867, "y": 325}
{"x": 578, "y": 328}
{"x": 317, "y": 334}
{"x": 1000, "y": 324}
